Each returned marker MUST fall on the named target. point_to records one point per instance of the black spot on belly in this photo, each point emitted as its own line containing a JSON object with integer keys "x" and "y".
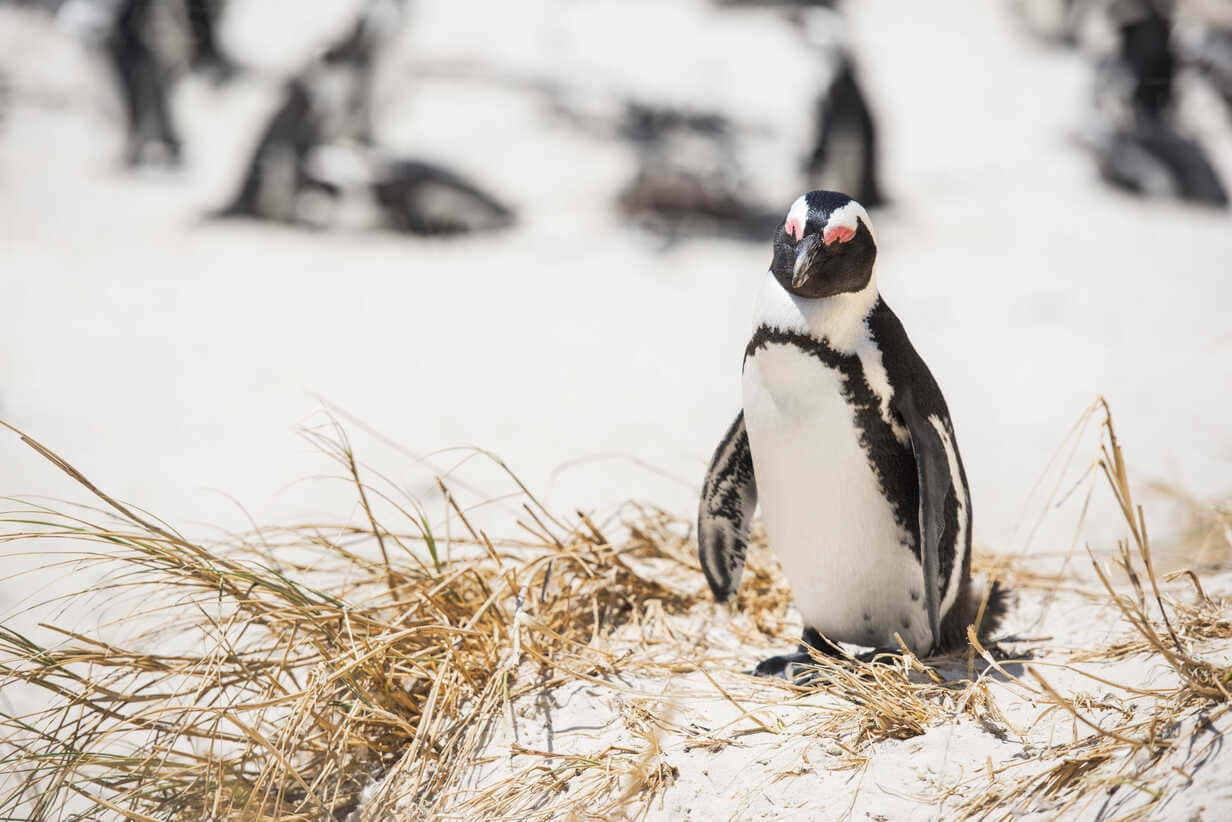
{"x": 915, "y": 596}
{"x": 906, "y": 624}
{"x": 867, "y": 618}
{"x": 892, "y": 462}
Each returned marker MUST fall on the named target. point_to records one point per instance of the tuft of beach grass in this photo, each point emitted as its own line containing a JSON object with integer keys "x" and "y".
{"x": 362, "y": 671}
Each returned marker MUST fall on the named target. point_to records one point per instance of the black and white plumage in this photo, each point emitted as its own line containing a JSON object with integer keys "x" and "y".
{"x": 843, "y": 153}
{"x": 1140, "y": 146}
{"x": 148, "y": 45}
{"x": 1154, "y": 159}
{"x": 419, "y": 198}
{"x": 277, "y": 175}
{"x": 327, "y": 103}
{"x": 689, "y": 178}
{"x": 846, "y": 442}
{"x": 318, "y": 153}
{"x": 151, "y": 134}
{"x": 1210, "y": 51}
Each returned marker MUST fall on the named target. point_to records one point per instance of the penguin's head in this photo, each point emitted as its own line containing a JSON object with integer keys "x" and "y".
{"x": 824, "y": 246}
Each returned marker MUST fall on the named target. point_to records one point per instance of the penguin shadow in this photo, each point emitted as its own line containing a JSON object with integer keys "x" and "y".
{"x": 552, "y": 714}
{"x": 1006, "y": 663}
{"x": 1198, "y": 742}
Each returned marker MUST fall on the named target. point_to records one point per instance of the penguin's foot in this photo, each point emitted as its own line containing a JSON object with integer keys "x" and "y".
{"x": 786, "y": 666}
{"x": 884, "y": 656}
{"x": 800, "y": 667}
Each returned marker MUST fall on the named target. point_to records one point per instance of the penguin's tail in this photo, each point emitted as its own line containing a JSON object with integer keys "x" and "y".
{"x": 984, "y": 606}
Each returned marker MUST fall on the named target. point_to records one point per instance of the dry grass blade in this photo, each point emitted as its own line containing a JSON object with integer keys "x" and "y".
{"x": 1127, "y": 753}
{"x": 373, "y": 670}
{"x": 298, "y": 696}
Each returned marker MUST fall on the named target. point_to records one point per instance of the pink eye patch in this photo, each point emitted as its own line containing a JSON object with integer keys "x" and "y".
{"x": 838, "y": 234}
{"x": 794, "y": 228}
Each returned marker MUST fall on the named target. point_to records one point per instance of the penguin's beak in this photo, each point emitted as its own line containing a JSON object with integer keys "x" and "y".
{"x": 805, "y": 252}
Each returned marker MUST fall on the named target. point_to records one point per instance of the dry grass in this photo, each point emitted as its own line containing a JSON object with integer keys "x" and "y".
{"x": 1131, "y": 749}
{"x": 359, "y": 672}
{"x": 300, "y": 696}
{"x": 1201, "y": 529}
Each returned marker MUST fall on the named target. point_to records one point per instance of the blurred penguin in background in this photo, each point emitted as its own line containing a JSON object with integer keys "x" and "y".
{"x": 1139, "y": 146}
{"x": 781, "y": 4}
{"x": 147, "y": 43}
{"x": 1056, "y": 21}
{"x": 1208, "y": 45}
{"x": 420, "y": 198}
{"x": 1144, "y": 58}
{"x": 152, "y": 137}
{"x": 843, "y": 156}
{"x": 317, "y": 154}
{"x": 688, "y": 177}
{"x": 207, "y": 56}
{"x": 328, "y": 103}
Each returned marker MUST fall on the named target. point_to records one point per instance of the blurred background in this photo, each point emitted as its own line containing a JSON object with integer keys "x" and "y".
{"x": 537, "y": 228}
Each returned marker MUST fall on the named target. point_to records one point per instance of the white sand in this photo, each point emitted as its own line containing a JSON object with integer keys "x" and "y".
{"x": 791, "y": 759}
{"x": 170, "y": 360}
{"x": 151, "y": 347}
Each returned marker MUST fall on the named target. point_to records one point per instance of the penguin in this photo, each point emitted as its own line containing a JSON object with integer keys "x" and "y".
{"x": 277, "y": 176}
{"x": 846, "y": 145}
{"x": 151, "y": 134}
{"x": 1155, "y": 160}
{"x": 1210, "y": 51}
{"x": 1139, "y": 146}
{"x": 780, "y": 4}
{"x": 328, "y": 102}
{"x": 419, "y": 198}
{"x": 689, "y": 178}
{"x": 843, "y": 154}
{"x": 207, "y": 55}
{"x": 846, "y": 442}
{"x": 143, "y": 41}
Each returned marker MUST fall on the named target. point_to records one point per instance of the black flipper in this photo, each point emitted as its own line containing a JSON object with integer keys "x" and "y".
{"x": 729, "y": 496}
{"x": 935, "y": 482}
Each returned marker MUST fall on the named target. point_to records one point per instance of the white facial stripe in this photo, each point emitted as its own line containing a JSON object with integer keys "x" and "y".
{"x": 849, "y": 216}
{"x": 797, "y": 216}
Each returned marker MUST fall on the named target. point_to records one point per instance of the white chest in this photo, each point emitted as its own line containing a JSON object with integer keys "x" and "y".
{"x": 849, "y": 563}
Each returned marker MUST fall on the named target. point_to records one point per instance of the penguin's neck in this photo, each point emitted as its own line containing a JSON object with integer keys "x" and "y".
{"x": 840, "y": 321}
